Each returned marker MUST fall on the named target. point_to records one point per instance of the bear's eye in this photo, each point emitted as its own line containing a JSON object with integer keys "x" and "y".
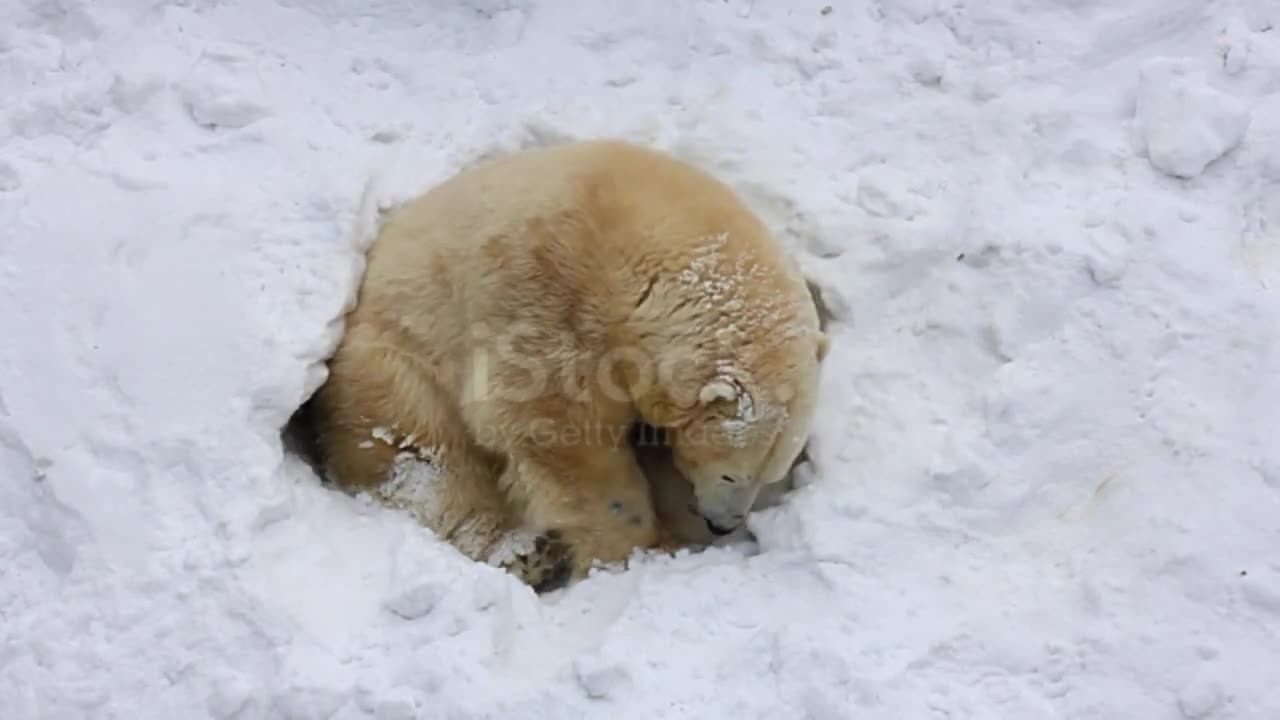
{"x": 728, "y": 478}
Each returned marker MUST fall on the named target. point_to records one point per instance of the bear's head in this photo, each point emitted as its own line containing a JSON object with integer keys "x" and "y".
{"x": 740, "y": 425}
{"x": 737, "y": 335}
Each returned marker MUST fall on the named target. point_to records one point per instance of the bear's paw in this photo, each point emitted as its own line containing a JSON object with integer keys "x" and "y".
{"x": 548, "y": 566}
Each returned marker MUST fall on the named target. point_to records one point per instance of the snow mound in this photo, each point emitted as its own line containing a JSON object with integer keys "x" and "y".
{"x": 1185, "y": 123}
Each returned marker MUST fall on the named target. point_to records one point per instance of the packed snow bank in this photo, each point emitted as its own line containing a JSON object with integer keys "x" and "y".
{"x": 1046, "y": 478}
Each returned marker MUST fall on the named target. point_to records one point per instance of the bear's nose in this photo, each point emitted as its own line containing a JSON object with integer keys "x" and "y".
{"x": 717, "y": 530}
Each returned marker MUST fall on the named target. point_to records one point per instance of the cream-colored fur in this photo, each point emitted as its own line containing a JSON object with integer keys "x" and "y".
{"x": 514, "y": 323}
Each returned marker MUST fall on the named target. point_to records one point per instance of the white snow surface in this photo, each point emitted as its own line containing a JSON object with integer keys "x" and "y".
{"x": 1186, "y": 123}
{"x": 1046, "y": 476}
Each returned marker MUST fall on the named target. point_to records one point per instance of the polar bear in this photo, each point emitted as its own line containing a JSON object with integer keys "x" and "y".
{"x": 516, "y": 321}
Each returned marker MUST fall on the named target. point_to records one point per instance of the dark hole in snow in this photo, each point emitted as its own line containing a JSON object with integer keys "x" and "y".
{"x": 299, "y": 438}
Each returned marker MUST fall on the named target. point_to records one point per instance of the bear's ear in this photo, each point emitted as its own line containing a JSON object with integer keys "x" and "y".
{"x": 726, "y": 397}
{"x": 824, "y": 345}
{"x": 718, "y": 390}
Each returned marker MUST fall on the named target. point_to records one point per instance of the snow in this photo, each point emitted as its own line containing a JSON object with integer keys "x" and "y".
{"x": 1045, "y": 475}
{"x": 1186, "y": 123}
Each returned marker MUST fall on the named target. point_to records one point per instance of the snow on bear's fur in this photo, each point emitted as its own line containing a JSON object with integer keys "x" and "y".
{"x": 515, "y": 322}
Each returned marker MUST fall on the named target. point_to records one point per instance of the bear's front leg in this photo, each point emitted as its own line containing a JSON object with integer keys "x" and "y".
{"x": 587, "y": 504}
{"x": 384, "y": 426}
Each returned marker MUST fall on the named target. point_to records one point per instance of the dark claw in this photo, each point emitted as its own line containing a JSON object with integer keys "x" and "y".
{"x": 552, "y": 559}
{"x": 556, "y": 578}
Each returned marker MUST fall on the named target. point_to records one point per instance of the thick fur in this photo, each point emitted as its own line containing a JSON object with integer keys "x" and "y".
{"x": 515, "y": 323}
